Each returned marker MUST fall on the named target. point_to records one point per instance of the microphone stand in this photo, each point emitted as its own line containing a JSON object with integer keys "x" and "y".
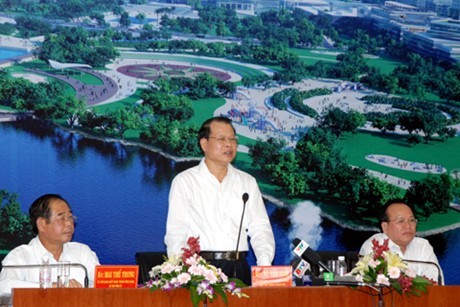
{"x": 440, "y": 280}
{"x": 36, "y": 266}
{"x": 245, "y": 199}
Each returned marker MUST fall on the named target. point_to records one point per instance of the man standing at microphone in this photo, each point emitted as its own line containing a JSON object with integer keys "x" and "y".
{"x": 212, "y": 199}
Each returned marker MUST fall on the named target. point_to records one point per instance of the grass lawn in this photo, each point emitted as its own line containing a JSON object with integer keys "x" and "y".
{"x": 40, "y": 65}
{"x": 128, "y": 101}
{"x": 311, "y": 56}
{"x": 385, "y": 64}
{"x": 357, "y": 146}
{"x": 204, "y": 109}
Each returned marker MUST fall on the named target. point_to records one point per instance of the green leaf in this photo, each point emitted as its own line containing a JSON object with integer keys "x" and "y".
{"x": 220, "y": 291}
{"x": 195, "y": 297}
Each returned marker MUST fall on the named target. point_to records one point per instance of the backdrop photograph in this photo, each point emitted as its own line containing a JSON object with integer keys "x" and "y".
{"x": 336, "y": 112}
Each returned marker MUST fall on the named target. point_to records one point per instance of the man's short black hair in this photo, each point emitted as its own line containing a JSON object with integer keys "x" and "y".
{"x": 205, "y": 130}
{"x": 41, "y": 208}
{"x": 384, "y": 214}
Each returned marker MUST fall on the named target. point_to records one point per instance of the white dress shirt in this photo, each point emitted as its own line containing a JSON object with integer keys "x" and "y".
{"x": 201, "y": 206}
{"x": 419, "y": 249}
{"x": 33, "y": 253}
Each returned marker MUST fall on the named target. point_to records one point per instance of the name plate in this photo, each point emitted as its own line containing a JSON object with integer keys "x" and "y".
{"x": 116, "y": 276}
{"x": 263, "y": 276}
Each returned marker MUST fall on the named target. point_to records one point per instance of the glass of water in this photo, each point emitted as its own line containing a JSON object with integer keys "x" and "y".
{"x": 63, "y": 274}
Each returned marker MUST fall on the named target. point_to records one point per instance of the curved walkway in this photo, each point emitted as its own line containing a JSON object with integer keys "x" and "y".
{"x": 406, "y": 165}
{"x": 93, "y": 94}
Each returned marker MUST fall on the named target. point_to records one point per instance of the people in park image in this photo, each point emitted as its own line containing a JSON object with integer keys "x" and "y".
{"x": 54, "y": 223}
{"x": 206, "y": 201}
{"x": 399, "y": 224}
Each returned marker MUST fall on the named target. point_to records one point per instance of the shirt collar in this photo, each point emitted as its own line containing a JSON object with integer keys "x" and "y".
{"x": 203, "y": 169}
{"x": 41, "y": 251}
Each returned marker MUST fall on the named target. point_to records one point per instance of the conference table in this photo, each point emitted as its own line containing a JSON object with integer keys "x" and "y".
{"x": 318, "y": 296}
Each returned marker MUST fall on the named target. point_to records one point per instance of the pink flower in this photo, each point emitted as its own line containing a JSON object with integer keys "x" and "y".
{"x": 183, "y": 278}
{"x": 222, "y": 275}
{"x": 167, "y": 268}
{"x": 196, "y": 270}
{"x": 382, "y": 279}
{"x": 210, "y": 276}
{"x": 374, "y": 263}
{"x": 394, "y": 272}
{"x": 194, "y": 260}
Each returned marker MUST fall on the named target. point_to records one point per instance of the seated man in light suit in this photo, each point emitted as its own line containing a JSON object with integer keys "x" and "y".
{"x": 399, "y": 225}
{"x": 53, "y": 222}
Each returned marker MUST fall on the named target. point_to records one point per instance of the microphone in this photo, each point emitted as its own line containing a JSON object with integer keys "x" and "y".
{"x": 245, "y": 199}
{"x": 303, "y": 250}
{"x": 301, "y": 268}
{"x": 440, "y": 281}
{"x": 36, "y": 266}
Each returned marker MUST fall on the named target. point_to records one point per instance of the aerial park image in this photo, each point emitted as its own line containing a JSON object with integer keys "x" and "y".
{"x": 337, "y": 108}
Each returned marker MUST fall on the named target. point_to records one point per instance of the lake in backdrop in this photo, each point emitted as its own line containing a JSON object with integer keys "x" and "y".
{"x": 120, "y": 195}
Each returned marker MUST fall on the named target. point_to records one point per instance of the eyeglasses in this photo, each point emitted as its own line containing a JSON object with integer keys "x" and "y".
{"x": 403, "y": 221}
{"x": 61, "y": 219}
{"x": 223, "y": 139}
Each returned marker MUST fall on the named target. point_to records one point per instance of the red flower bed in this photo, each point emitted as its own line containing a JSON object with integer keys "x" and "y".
{"x": 155, "y": 71}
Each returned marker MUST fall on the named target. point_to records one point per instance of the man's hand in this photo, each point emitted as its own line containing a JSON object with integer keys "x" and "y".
{"x": 74, "y": 284}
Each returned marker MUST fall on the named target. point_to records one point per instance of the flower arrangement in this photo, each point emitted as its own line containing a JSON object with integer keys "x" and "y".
{"x": 191, "y": 271}
{"x": 389, "y": 269}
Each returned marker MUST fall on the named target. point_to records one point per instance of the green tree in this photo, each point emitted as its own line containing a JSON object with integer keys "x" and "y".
{"x": 285, "y": 172}
{"x": 265, "y": 152}
{"x": 67, "y": 108}
{"x": 339, "y": 121}
{"x": 124, "y": 19}
{"x": 15, "y": 226}
{"x": 432, "y": 194}
{"x": 122, "y": 120}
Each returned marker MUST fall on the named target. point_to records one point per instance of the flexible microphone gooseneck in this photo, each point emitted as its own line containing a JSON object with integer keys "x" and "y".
{"x": 36, "y": 266}
{"x": 245, "y": 199}
{"x": 440, "y": 281}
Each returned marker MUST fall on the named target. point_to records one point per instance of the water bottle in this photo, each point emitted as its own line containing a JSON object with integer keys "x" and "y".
{"x": 45, "y": 273}
{"x": 342, "y": 266}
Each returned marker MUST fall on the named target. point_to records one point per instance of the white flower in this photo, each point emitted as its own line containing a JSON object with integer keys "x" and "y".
{"x": 155, "y": 271}
{"x": 394, "y": 272}
{"x": 183, "y": 278}
{"x": 196, "y": 270}
{"x": 210, "y": 276}
{"x": 167, "y": 268}
{"x": 382, "y": 279}
{"x": 359, "y": 278}
{"x": 222, "y": 275}
{"x": 174, "y": 260}
{"x": 194, "y": 274}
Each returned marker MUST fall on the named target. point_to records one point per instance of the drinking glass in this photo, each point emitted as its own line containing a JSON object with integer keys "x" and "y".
{"x": 63, "y": 274}
{"x": 333, "y": 265}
